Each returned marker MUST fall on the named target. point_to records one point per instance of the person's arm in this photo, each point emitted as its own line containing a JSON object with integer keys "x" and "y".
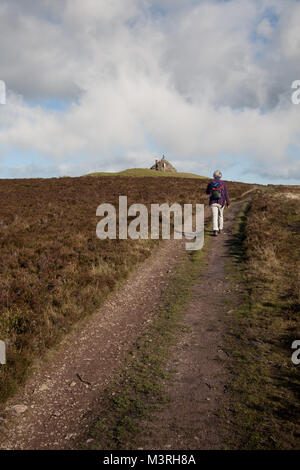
{"x": 227, "y": 196}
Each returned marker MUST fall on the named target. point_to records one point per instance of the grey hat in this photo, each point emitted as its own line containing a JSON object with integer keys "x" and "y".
{"x": 217, "y": 174}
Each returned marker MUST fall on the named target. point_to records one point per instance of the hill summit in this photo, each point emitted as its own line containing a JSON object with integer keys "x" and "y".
{"x": 163, "y": 165}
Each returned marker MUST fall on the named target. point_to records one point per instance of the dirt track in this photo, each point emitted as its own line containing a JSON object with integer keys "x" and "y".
{"x": 198, "y": 390}
{"x": 61, "y": 399}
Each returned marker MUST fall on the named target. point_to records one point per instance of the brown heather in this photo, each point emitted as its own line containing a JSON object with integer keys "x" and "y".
{"x": 53, "y": 268}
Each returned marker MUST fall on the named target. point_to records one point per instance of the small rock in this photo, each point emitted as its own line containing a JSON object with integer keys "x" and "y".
{"x": 89, "y": 441}
{"x": 72, "y": 384}
{"x": 69, "y": 436}
{"x": 19, "y": 409}
{"x": 43, "y": 387}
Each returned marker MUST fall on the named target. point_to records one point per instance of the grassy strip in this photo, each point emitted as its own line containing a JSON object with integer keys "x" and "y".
{"x": 140, "y": 391}
{"x": 264, "y": 401}
{"x": 140, "y": 172}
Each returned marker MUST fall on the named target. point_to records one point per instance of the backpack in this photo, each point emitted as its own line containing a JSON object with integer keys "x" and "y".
{"x": 217, "y": 190}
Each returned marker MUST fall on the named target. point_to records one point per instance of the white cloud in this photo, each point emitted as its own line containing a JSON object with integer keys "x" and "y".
{"x": 265, "y": 28}
{"x": 193, "y": 79}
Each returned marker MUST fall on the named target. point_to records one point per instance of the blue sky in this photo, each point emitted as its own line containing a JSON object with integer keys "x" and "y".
{"x": 108, "y": 85}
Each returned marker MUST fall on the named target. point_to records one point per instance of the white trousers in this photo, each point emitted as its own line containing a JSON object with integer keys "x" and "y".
{"x": 217, "y": 216}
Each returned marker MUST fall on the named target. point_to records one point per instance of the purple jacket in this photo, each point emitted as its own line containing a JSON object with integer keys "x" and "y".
{"x": 224, "y": 199}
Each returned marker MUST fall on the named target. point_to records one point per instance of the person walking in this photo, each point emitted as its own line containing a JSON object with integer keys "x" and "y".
{"x": 218, "y": 197}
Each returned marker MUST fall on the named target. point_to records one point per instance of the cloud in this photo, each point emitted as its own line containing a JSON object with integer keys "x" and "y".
{"x": 195, "y": 80}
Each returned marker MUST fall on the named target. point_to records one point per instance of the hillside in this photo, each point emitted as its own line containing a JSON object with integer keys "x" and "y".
{"x": 140, "y": 172}
{"x": 53, "y": 268}
{"x": 116, "y": 321}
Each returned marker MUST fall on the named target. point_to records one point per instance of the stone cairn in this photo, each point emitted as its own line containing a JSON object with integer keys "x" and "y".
{"x": 163, "y": 165}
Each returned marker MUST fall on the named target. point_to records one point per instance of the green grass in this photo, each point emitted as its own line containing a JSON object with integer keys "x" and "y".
{"x": 146, "y": 172}
{"x": 132, "y": 399}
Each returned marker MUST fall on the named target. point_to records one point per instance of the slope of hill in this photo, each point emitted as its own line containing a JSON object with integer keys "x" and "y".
{"x": 54, "y": 271}
{"x": 53, "y": 268}
{"x": 146, "y": 172}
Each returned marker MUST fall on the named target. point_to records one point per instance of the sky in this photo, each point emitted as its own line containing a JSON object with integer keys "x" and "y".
{"x": 105, "y": 85}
